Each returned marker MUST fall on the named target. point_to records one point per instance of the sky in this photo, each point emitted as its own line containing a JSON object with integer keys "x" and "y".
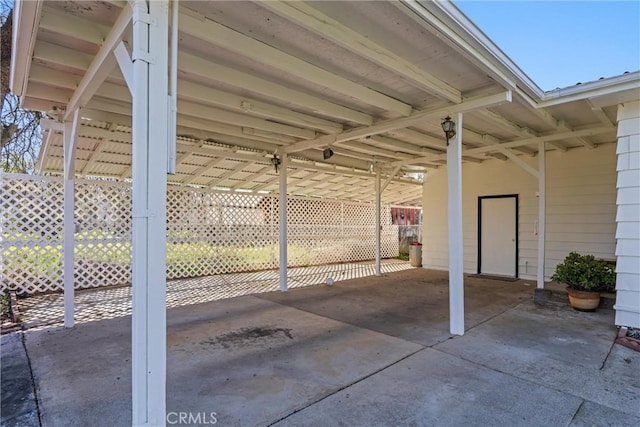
{"x": 561, "y": 43}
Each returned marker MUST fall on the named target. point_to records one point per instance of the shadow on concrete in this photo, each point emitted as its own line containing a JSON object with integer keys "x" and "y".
{"x": 364, "y": 352}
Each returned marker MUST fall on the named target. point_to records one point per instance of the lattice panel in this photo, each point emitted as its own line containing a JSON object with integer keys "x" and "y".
{"x": 31, "y": 233}
{"x": 217, "y": 232}
{"x": 208, "y": 233}
{"x": 103, "y": 233}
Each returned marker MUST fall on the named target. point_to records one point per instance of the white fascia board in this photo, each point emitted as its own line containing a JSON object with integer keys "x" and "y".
{"x": 590, "y": 90}
{"x": 26, "y": 20}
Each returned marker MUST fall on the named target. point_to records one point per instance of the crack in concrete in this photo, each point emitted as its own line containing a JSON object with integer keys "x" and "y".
{"x": 23, "y": 340}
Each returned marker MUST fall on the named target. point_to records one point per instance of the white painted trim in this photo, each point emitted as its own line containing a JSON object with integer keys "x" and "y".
{"x": 378, "y": 233}
{"x": 455, "y": 235}
{"x": 591, "y": 90}
{"x": 150, "y": 143}
{"x": 69, "y": 135}
{"x": 71, "y": 132}
{"x": 44, "y": 150}
{"x": 284, "y": 163}
{"x": 172, "y": 119}
{"x": 124, "y": 62}
{"x": 26, "y": 20}
{"x": 542, "y": 212}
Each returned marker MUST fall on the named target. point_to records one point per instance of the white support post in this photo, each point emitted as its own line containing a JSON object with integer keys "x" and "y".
{"x": 283, "y": 222}
{"x": 378, "y": 221}
{"x": 542, "y": 217}
{"x": 456, "y": 272}
{"x": 70, "y": 131}
{"x": 150, "y": 143}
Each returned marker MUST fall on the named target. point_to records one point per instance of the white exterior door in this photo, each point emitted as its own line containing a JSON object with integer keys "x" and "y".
{"x": 498, "y": 235}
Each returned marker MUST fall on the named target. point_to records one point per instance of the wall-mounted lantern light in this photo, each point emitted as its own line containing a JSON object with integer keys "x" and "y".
{"x": 275, "y": 161}
{"x": 449, "y": 128}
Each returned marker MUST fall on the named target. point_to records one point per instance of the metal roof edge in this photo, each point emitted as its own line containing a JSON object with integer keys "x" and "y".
{"x": 597, "y": 88}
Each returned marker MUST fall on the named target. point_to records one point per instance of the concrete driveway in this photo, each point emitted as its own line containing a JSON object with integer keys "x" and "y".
{"x": 364, "y": 352}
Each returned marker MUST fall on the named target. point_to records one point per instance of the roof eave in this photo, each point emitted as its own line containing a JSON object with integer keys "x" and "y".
{"x": 484, "y": 47}
{"x": 26, "y": 20}
{"x": 590, "y": 90}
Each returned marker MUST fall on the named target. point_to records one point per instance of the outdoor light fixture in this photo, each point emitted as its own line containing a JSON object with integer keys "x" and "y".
{"x": 449, "y": 128}
{"x": 327, "y": 153}
{"x": 275, "y": 161}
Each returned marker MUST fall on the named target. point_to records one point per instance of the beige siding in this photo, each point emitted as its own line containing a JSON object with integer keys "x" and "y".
{"x": 628, "y": 216}
{"x": 581, "y": 207}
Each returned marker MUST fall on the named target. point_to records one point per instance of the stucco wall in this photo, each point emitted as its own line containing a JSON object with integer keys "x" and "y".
{"x": 581, "y": 207}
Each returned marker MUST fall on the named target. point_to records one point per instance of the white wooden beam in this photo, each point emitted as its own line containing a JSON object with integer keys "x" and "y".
{"x": 373, "y": 150}
{"x": 219, "y": 35}
{"x": 455, "y": 236}
{"x": 600, "y": 114}
{"x": 194, "y": 92}
{"x": 378, "y": 234}
{"x": 301, "y": 182}
{"x": 391, "y": 124}
{"x": 124, "y": 62}
{"x": 71, "y": 25}
{"x": 323, "y": 25}
{"x": 195, "y": 66}
{"x": 402, "y": 145}
{"x": 243, "y": 120}
{"x": 101, "y": 65}
{"x": 412, "y": 196}
{"x": 206, "y": 95}
{"x": 228, "y": 174}
{"x": 201, "y": 171}
{"x": 542, "y": 218}
{"x": 390, "y": 177}
{"x": 518, "y": 161}
{"x": 149, "y": 219}
{"x": 283, "y": 221}
{"x": 513, "y": 144}
{"x": 70, "y": 136}
{"x": 420, "y": 138}
{"x": 94, "y": 155}
{"x": 262, "y": 172}
{"x": 44, "y": 151}
{"x": 562, "y": 125}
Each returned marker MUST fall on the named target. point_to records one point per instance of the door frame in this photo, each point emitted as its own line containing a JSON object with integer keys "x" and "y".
{"x": 498, "y": 196}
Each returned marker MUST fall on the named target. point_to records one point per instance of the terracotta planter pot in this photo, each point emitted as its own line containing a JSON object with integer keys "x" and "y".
{"x": 583, "y": 301}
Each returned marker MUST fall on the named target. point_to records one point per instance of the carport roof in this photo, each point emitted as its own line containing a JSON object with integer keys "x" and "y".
{"x": 370, "y": 79}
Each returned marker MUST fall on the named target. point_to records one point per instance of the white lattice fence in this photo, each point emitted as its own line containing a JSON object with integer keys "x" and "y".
{"x": 207, "y": 232}
{"x": 31, "y": 233}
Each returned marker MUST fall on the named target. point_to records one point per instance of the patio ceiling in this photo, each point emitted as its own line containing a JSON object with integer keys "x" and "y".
{"x": 372, "y": 80}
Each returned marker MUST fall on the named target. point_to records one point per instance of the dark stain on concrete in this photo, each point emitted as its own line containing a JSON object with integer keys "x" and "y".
{"x": 248, "y": 336}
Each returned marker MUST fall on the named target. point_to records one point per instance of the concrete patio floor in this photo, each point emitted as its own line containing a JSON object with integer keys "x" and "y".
{"x": 364, "y": 352}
